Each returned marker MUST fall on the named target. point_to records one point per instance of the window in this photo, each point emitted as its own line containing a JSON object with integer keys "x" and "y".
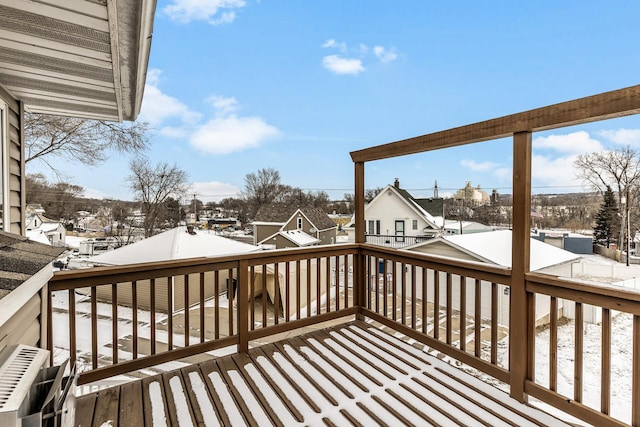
{"x": 299, "y": 223}
{"x": 4, "y": 138}
{"x": 374, "y": 227}
{"x": 414, "y": 224}
{"x": 400, "y": 230}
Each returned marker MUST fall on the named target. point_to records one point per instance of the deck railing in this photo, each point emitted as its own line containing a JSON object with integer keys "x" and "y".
{"x": 459, "y": 308}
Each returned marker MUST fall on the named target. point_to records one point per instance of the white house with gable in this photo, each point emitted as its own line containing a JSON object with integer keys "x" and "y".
{"x": 395, "y": 219}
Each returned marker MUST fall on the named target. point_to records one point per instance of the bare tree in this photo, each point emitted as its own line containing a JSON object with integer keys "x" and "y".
{"x": 619, "y": 169}
{"x": 261, "y": 188}
{"x": 153, "y": 186}
{"x": 82, "y": 140}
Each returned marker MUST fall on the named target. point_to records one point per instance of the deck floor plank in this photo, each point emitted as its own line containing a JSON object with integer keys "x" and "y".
{"x": 352, "y": 374}
{"x": 152, "y": 409}
{"x": 107, "y": 407}
{"x": 196, "y": 391}
{"x": 131, "y": 413}
{"x": 85, "y": 406}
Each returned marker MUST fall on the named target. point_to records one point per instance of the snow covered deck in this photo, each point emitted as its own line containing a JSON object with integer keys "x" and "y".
{"x": 352, "y": 374}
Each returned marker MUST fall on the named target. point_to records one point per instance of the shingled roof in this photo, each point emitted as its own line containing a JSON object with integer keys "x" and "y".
{"x": 282, "y": 212}
{"x": 20, "y": 258}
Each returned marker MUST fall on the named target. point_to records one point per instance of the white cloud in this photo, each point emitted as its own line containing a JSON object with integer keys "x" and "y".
{"x": 573, "y": 143}
{"x": 214, "y": 190}
{"x": 157, "y": 107}
{"x": 341, "y": 65}
{"x": 224, "y": 105}
{"x": 332, "y": 43}
{"x": 185, "y": 11}
{"x": 478, "y": 167}
{"x": 554, "y": 171}
{"x": 222, "y": 135}
{"x": 384, "y": 55}
{"x": 622, "y": 136}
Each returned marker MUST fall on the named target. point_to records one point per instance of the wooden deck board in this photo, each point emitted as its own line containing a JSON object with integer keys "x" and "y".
{"x": 352, "y": 374}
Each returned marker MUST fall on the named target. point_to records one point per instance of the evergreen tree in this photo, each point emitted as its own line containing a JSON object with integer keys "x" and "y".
{"x": 607, "y": 220}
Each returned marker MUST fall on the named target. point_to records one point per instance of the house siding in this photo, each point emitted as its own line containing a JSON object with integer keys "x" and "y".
{"x": 143, "y": 291}
{"x": 264, "y": 231}
{"x": 389, "y": 207}
{"x": 14, "y": 176}
{"x": 24, "y": 326}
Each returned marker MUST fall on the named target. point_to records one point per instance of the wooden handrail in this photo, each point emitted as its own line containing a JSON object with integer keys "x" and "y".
{"x": 617, "y": 103}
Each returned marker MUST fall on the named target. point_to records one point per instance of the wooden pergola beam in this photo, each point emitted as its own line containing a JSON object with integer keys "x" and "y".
{"x": 607, "y": 105}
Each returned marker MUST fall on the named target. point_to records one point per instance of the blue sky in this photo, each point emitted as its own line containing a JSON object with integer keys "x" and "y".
{"x": 238, "y": 85}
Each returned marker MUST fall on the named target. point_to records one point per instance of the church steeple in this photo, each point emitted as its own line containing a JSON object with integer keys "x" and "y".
{"x": 435, "y": 190}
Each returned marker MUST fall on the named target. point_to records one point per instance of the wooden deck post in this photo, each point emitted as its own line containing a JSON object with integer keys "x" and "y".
{"x": 359, "y": 279}
{"x": 519, "y": 338}
{"x": 242, "y": 301}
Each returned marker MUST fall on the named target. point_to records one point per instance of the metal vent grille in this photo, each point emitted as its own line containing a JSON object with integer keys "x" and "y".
{"x": 18, "y": 371}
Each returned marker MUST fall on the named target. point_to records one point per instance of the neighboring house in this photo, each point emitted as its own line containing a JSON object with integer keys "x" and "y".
{"x": 88, "y": 60}
{"x": 276, "y": 228}
{"x": 177, "y": 243}
{"x": 495, "y": 248}
{"x": 40, "y": 228}
{"x": 395, "y": 218}
{"x": 452, "y": 226}
{"x": 572, "y": 242}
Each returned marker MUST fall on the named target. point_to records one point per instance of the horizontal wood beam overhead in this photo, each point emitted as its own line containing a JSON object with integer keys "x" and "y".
{"x": 617, "y": 103}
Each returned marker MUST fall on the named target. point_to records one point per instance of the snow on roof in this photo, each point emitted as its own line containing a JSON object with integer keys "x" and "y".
{"x": 299, "y": 237}
{"x": 39, "y": 236}
{"x": 495, "y": 247}
{"x": 176, "y": 243}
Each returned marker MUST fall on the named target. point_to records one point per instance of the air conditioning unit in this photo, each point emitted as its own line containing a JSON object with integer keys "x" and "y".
{"x": 20, "y": 366}
{"x": 32, "y": 395}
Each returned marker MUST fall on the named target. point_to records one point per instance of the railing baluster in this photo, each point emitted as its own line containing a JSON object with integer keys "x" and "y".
{"x": 170, "y": 311}
{"x": 425, "y": 300}
{"x": 494, "y": 323}
{"x": 605, "y": 374}
{"x": 385, "y": 289}
{"x": 134, "y": 320}
{"x": 337, "y": 283}
{"x": 235, "y": 294}
{"x": 477, "y": 321}
{"x": 463, "y": 313}
{"x": 152, "y": 303}
{"x": 579, "y": 354}
{"x": 202, "y": 315}
{"x": 252, "y": 308}
{"x": 276, "y": 315}
{"x": 72, "y": 326}
{"x": 449, "y": 308}
{"x": 328, "y": 284}
{"x": 243, "y": 305}
{"x": 94, "y": 327}
{"x": 287, "y": 286}
{"x": 309, "y": 287}
{"x": 114, "y": 322}
{"x": 264, "y": 296}
{"x": 553, "y": 344}
{"x": 346, "y": 281}
{"x": 413, "y": 296}
{"x": 186, "y": 310}
{"x": 635, "y": 372}
{"x": 318, "y": 286}
{"x": 377, "y": 284}
{"x": 394, "y": 267}
{"x": 216, "y": 299}
{"x": 298, "y": 297}
{"x": 403, "y": 293}
{"x": 436, "y": 304}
